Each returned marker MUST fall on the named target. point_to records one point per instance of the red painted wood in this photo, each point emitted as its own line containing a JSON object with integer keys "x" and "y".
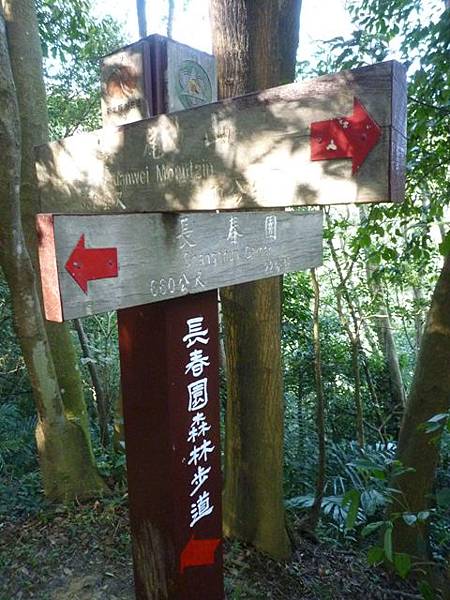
{"x": 48, "y": 268}
{"x": 198, "y": 553}
{"x": 345, "y": 137}
{"x": 169, "y": 362}
{"x": 87, "y": 264}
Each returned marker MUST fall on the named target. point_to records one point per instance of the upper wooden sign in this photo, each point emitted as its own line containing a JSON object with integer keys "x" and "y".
{"x": 336, "y": 139}
{"x": 95, "y": 263}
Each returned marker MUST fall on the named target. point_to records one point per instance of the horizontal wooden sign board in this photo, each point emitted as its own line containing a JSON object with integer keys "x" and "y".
{"x": 96, "y": 263}
{"x": 336, "y": 139}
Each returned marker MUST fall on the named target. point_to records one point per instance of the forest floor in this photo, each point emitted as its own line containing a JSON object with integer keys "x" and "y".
{"x": 84, "y": 553}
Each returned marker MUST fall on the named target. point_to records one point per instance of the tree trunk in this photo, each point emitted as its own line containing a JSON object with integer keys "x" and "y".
{"x": 65, "y": 457}
{"x": 170, "y": 17}
{"x": 386, "y": 339}
{"x": 141, "y": 17}
{"x": 418, "y": 315}
{"x": 429, "y": 396}
{"x": 246, "y": 42}
{"x": 355, "y": 343}
{"x": 99, "y": 394}
{"x": 300, "y": 415}
{"x": 314, "y": 515}
{"x": 24, "y": 50}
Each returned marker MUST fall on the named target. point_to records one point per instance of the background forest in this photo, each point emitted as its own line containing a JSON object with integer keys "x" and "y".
{"x": 352, "y": 333}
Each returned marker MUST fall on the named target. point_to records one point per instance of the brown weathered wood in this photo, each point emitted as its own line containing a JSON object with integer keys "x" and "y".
{"x": 123, "y": 86}
{"x": 162, "y": 256}
{"x": 246, "y": 152}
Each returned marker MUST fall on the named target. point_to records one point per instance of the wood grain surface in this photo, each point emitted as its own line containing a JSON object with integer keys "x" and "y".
{"x": 247, "y": 152}
{"x": 162, "y": 256}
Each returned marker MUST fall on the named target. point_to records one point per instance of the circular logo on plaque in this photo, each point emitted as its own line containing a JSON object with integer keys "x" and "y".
{"x": 121, "y": 83}
{"x": 193, "y": 85}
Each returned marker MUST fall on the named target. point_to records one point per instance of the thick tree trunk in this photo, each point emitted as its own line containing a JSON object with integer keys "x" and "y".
{"x": 246, "y": 41}
{"x": 73, "y": 448}
{"x": 429, "y": 396}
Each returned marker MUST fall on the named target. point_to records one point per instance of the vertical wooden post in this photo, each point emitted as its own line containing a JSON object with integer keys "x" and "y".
{"x": 169, "y": 391}
{"x": 169, "y": 368}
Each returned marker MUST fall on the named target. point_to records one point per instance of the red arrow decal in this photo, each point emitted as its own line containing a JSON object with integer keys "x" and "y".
{"x": 86, "y": 264}
{"x": 198, "y": 553}
{"x": 345, "y": 137}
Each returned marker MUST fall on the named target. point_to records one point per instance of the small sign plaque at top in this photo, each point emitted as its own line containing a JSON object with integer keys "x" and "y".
{"x": 182, "y": 77}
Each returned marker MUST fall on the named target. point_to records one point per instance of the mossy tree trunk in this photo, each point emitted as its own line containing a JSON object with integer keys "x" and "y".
{"x": 255, "y": 44}
{"x": 429, "y": 396}
{"x": 66, "y": 458}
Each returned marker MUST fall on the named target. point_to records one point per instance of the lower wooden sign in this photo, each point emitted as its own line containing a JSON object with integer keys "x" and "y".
{"x": 97, "y": 263}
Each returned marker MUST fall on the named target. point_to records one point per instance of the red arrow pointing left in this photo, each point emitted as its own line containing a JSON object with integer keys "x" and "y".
{"x": 86, "y": 264}
{"x": 198, "y": 553}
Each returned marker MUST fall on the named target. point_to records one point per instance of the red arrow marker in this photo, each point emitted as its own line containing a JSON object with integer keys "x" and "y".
{"x": 86, "y": 264}
{"x": 345, "y": 137}
{"x": 198, "y": 553}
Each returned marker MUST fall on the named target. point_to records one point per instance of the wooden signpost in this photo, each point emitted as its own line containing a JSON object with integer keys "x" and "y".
{"x": 336, "y": 139}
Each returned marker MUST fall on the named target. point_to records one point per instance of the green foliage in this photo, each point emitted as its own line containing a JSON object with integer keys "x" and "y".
{"x": 73, "y": 43}
{"x": 17, "y": 448}
{"x": 356, "y": 488}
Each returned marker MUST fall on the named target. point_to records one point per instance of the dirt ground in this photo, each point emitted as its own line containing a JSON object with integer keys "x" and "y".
{"x": 84, "y": 553}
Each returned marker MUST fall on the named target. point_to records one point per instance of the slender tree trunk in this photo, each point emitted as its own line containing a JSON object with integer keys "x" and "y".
{"x": 418, "y": 316}
{"x": 355, "y": 344}
{"x": 429, "y": 396}
{"x": 65, "y": 457}
{"x": 320, "y": 409}
{"x": 300, "y": 416}
{"x": 100, "y": 397}
{"x": 247, "y": 46}
{"x": 396, "y": 396}
{"x": 141, "y": 17}
{"x": 119, "y": 430}
{"x": 170, "y": 17}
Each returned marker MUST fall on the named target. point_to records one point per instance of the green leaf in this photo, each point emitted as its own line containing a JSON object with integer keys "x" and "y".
{"x": 423, "y": 515}
{"x": 388, "y": 543}
{"x": 402, "y": 564}
{"x": 371, "y": 527}
{"x": 437, "y": 418}
{"x": 426, "y": 590}
{"x": 444, "y": 246}
{"x": 378, "y": 474}
{"x": 409, "y": 519}
{"x": 375, "y": 555}
{"x": 351, "y": 498}
{"x": 443, "y": 497}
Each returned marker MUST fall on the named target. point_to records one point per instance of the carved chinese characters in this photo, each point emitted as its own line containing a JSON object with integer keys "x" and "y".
{"x": 196, "y": 341}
